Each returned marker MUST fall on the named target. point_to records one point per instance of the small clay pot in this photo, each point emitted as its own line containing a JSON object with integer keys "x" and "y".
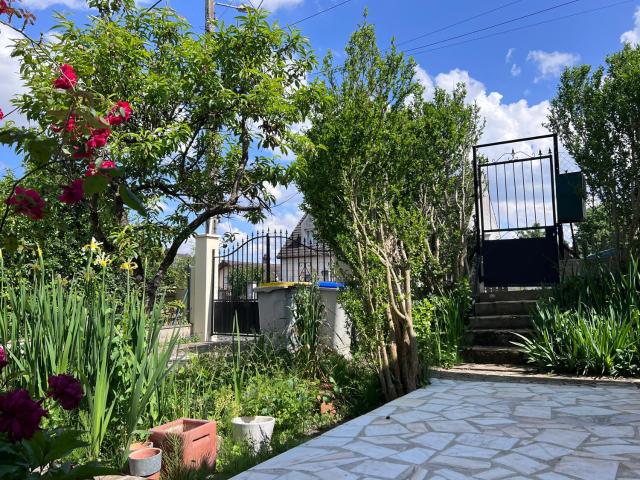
{"x": 139, "y": 446}
{"x": 145, "y": 462}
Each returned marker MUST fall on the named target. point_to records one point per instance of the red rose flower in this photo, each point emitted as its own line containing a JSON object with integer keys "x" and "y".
{"x": 4, "y": 8}
{"x": 69, "y": 127}
{"x": 66, "y": 390}
{"x": 99, "y": 137}
{"x": 91, "y": 169}
{"x": 20, "y": 416}
{"x": 67, "y": 79}
{"x": 1, "y": 114}
{"x": 3, "y": 358}
{"x": 120, "y": 113}
{"x": 72, "y": 193}
{"x": 107, "y": 164}
{"x": 27, "y": 202}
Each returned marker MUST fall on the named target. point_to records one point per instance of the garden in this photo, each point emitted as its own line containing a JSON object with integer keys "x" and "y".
{"x": 133, "y": 110}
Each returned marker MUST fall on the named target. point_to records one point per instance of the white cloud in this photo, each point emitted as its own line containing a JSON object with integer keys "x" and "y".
{"x": 633, "y": 36}
{"x": 551, "y": 64}
{"x": 10, "y": 82}
{"x": 509, "y": 55}
{"x": 503, "y": 120}
{"x": 515, "y": 70}
{"x": 273, "y": 5}
{"x": 42, "y": 4}
{"x": 424, "y": 79}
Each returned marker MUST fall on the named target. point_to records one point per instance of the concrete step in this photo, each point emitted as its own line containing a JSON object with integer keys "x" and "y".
{"x": 478, "y": 372}
{"x": 491, "y": 337}
{"x": 495, "y": 355}
{"x": 511, "y": 295}
{"x": 513, "y": 307}
{"x": 505, "y": 322}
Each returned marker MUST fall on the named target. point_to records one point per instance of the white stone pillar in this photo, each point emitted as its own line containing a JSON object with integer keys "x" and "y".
{"x": 204, "y": 293}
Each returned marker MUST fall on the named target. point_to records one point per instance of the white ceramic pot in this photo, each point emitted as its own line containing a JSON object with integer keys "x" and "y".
{"x": 256, "y": 431}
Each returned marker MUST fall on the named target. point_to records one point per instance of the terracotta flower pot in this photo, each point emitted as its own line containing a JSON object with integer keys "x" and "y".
{"x": 196, "y": 438}
{"x": 327, "y": 408}
{"x": 256, "y": 431}
{"x": 139, "y": 446}
{"x": 146, "y": 463}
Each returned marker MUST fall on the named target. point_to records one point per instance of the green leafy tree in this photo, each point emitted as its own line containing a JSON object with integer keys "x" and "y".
{"x": 386, "y": 176}
{"x": 595, "y": 233}
{"x": 596, "y": 114}
{"x": 208, "y": 110}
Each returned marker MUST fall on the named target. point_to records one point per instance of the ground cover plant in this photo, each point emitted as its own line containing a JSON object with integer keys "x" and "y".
{"x": 590, "y": 324}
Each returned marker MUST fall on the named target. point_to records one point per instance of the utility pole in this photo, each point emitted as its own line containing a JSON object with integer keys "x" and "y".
{"x": 209, "y": 14}
{"x": 209, "y": 22}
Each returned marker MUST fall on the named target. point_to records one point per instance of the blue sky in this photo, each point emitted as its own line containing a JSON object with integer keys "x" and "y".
{"x": 511, "y": 76}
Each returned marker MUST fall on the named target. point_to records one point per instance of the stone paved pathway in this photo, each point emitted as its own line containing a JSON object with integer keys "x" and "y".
{"x": 455, "y": 430}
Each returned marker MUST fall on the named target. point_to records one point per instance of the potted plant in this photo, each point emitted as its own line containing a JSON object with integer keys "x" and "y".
{"x": 196, "y": 440}
{"x": 256, "y": 431}
{"x": 146, "y": 463}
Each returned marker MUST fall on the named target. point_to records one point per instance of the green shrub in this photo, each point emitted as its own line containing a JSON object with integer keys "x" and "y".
{"x": 439, "y": 323}
{"x": 589, "y": 325}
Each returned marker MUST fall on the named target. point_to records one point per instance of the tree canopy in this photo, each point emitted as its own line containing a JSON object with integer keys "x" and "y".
{"x": 207, "y": 113}
{"x": 386, "y": 175}
{"x": 596, "y": 113}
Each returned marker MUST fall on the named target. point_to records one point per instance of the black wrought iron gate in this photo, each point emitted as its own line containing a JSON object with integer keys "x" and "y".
{"x": 518, "y": 235}
{"x": 240, "y": 267}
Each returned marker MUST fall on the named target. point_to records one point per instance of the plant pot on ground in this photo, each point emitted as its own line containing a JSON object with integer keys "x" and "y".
{"x": 146, "y": 463}
{"x": 196, "y": 440}
{"x": 139, "y": 446}
{"x": 256, "y": 431}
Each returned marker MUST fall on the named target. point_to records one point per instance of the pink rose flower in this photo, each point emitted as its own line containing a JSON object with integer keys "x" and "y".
{"x": 120, "y": 113}
{"x": 72, "y": 193}
{"x": 66, "y": 390}
{"x": 67, "y": 79}
{"x": 27, "y": 202}
{"x": 20, "y": 416}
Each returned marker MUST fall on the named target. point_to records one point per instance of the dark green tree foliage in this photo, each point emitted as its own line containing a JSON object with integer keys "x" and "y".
{"x": 596, "y": 112}
{"x": 386, "y": 176}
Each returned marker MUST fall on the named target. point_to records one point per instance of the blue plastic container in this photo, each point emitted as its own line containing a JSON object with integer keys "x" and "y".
{"x": 330, "y": 284}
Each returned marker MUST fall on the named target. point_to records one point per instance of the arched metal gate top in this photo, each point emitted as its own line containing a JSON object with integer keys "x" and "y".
{"x": 517, "y": 231}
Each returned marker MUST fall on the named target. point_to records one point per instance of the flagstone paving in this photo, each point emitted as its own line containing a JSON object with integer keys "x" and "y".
{"x": 478, "y": 430}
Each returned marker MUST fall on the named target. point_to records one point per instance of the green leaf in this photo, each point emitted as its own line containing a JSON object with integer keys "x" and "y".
{"x": 95, "y": 184}
{"x": 131, "y": 200}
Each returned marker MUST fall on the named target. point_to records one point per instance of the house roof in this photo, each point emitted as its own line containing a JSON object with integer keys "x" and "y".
{"x": 296, "y": 246}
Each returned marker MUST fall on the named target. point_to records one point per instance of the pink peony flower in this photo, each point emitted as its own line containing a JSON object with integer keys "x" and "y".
{"x": 20, "y": 416}
{"x": 27, "y": 202}
{"x": 120, "y": 113}
{"x": 72, "y": 193}
{"x": 99, "y": 137}
{"x": 66, "y": 390}
{"x": 3, "y": 358}
{"x": 67, "y": 79}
